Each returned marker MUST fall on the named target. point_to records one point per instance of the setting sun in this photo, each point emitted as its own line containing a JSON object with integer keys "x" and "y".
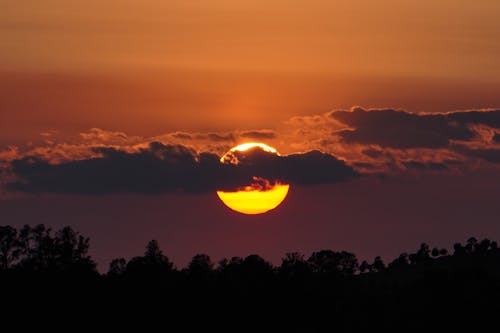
{"x": 251, "y": 201}
{"x": 262, "y": 194}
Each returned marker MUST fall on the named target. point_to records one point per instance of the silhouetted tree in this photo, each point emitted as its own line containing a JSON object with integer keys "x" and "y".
{"x": 10, "y": 249}
{"x": 117, "y": 267}
{"x": 294, "y": 266}
{"x": 37, "y": 247}
{"x": 154, "y": 255}
{"x": 483, "y": 246}
{"x": 399, "y": 262}
{"x": 470, "y": 247}
{"x": 458, "y": 249}
{"x": 153, "y": 262}
{"x": 72, "y": 250}
{"x": 222, "y": 264}
{"x": 422, "y": 255}
{"x": 333, "y": 263}
{"x": 67, "y": 250}
{"x": 365, "y": 267}
{"x": 34, "y": 262}
{"x": 437, "y": 252}
{"x": 378, "y": 265}
{"x": 254, "y": 270}
{"x": 200, "y": 267}
{"x": 250, "y": 271}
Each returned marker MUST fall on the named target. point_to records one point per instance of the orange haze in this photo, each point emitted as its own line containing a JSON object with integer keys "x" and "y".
{"x": 146, "y": 67}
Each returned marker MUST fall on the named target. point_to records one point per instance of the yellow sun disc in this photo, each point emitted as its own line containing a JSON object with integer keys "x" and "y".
{"x": 262, "y": 194}
{"x": 254, "y": 201}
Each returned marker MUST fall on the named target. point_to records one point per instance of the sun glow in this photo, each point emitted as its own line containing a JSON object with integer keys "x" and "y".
{"x": 249, "y": 145}
{"x": 262, "y": 194}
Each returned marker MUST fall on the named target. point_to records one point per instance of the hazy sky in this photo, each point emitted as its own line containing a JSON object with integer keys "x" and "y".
{"x": 152, "y": 66}
{"x": 439, "y": 39}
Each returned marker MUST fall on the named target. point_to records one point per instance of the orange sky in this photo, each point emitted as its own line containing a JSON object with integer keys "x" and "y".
{"x": 151, "y": 66}
{"x": 109, "y": 96}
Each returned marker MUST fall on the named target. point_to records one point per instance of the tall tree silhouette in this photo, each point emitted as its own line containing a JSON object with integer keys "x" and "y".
{"x": 10, "y": 249}
{"x": 38, "y": 247}
{"x": 153, "y": 262}
{"x": 67, "y": 250}
{"x": 71, "y": 250}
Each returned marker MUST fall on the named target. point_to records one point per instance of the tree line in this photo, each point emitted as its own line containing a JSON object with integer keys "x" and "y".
{"x": 51, "y": 272}
{"x": 39, "y": 249}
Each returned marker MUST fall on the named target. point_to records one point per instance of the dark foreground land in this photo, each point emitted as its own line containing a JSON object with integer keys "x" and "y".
{"x": 46, "y": 277}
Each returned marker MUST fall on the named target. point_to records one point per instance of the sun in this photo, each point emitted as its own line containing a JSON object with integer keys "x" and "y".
{"x": 261, "y": 195}
{"x": 254, "y": 201}
{"x": 249, "y": 145}
{"x": 230, "y": 156}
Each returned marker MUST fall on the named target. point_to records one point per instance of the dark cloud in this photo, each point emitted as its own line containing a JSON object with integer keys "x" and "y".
{"x": 163, "y": 168}
{"x": 422, "y": 166}
{"x": 489, "y": 155}
{"x": 363, "y": 165}
{"x": 373, "y": 153}
{"x": 403, "y": 130}
{"x": 496, "y": 138}
{"x": 159, "y": 168}
{"x": 259, "y": 134}
{"x": 490, "y": 118}
{"x": 315, "y": 167}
